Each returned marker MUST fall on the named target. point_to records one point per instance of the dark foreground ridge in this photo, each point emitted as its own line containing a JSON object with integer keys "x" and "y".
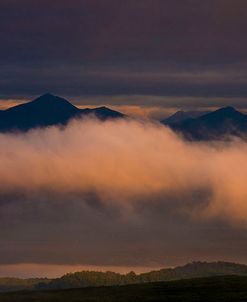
{"x": 220, "y": 289}
{"x": 48, "y": 110}
{"x": 93, "y": 279}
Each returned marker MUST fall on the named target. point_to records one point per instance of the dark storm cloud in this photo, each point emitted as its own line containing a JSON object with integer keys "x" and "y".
{"x": 55, "y": 45}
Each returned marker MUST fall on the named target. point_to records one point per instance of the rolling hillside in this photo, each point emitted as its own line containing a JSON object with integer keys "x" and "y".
{"x": 213, "y": 289}
{"x": 92, "y": 279}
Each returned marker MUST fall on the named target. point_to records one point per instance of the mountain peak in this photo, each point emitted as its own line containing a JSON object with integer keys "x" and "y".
{"x": 182, "y": 115}
{"x": 47, "y": 110}
{"x": 227, "y": 109}
{"x": 219, "y": 124}
{"x": 222, "y": 113}
{"x": 53, "y": 103}
{"x": 48, "y": 98}
{"x": 46, "y": 95}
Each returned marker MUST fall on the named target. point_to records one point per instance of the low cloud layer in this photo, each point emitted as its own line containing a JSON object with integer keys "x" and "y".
{"x": 101, "y": 193}
{"x": 124, "y": 162}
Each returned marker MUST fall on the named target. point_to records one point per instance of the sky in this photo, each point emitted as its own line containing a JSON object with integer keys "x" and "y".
{"x": 121, "y": 195}
{"x": 146, "y": 53}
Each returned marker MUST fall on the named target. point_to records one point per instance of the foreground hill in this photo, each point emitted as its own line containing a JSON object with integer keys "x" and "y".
{"x": 188, "y": 271}
{"x": 220, "y": 289}
{"x": 92, "y": 279}
{"x": 48, "y": 110}
{"x": 215, "y": 125}
{"x": 15, "y": 284}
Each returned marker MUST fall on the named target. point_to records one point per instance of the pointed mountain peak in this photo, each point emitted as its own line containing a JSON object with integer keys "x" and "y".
{"x": 47, "y": 110}
{"x": 224, "y": 112}
{"x": 44, "y": 105}
{"x": 228, "y": 109}
{"x": 49, "y": 100}
{"x": 48, "y": 97}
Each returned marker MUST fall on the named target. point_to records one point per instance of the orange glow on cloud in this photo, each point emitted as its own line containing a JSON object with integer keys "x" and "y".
{"x": 5, "y": 104}
{"x": 125, "y": 162}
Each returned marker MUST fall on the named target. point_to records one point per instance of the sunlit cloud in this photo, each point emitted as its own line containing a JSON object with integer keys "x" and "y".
{"x": 124, "y": 162}
{"x": 88, "y": 195}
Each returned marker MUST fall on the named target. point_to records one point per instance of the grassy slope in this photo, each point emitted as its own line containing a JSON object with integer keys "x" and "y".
{"x": 215, "y": 289}
{"x": 97, "y": 279}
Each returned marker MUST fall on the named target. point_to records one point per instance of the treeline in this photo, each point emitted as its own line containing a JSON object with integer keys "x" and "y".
{"x": 94, "y": 279}
{"x": 191, "y": 270}
{"x": 89, "y": 279}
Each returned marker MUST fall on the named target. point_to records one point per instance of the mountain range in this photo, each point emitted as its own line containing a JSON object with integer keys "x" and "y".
{"x": 182, "y": 115}
{"x": 219, "y": 124}
{"x": 92, "y": 279}
{"x": 48, "y": 110}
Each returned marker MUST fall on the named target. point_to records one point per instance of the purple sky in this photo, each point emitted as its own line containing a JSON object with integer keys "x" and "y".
{"x": 185, "y": 49}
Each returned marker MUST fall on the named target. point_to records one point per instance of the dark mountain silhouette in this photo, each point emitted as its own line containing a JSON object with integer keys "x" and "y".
{"x": 181, "y": 115}
{"x": 102, "y": 113}
{"x": 215, "y": 125}
{"x": 91, "y": 279}
{"x": 48, "y": 110}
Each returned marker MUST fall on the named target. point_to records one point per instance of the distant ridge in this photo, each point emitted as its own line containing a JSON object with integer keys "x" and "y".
{"x": 181, "y": 115}
{"x": 219, "y": 124}
{"x": 92, "y": 279}
{"x": 48, "y": 110}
